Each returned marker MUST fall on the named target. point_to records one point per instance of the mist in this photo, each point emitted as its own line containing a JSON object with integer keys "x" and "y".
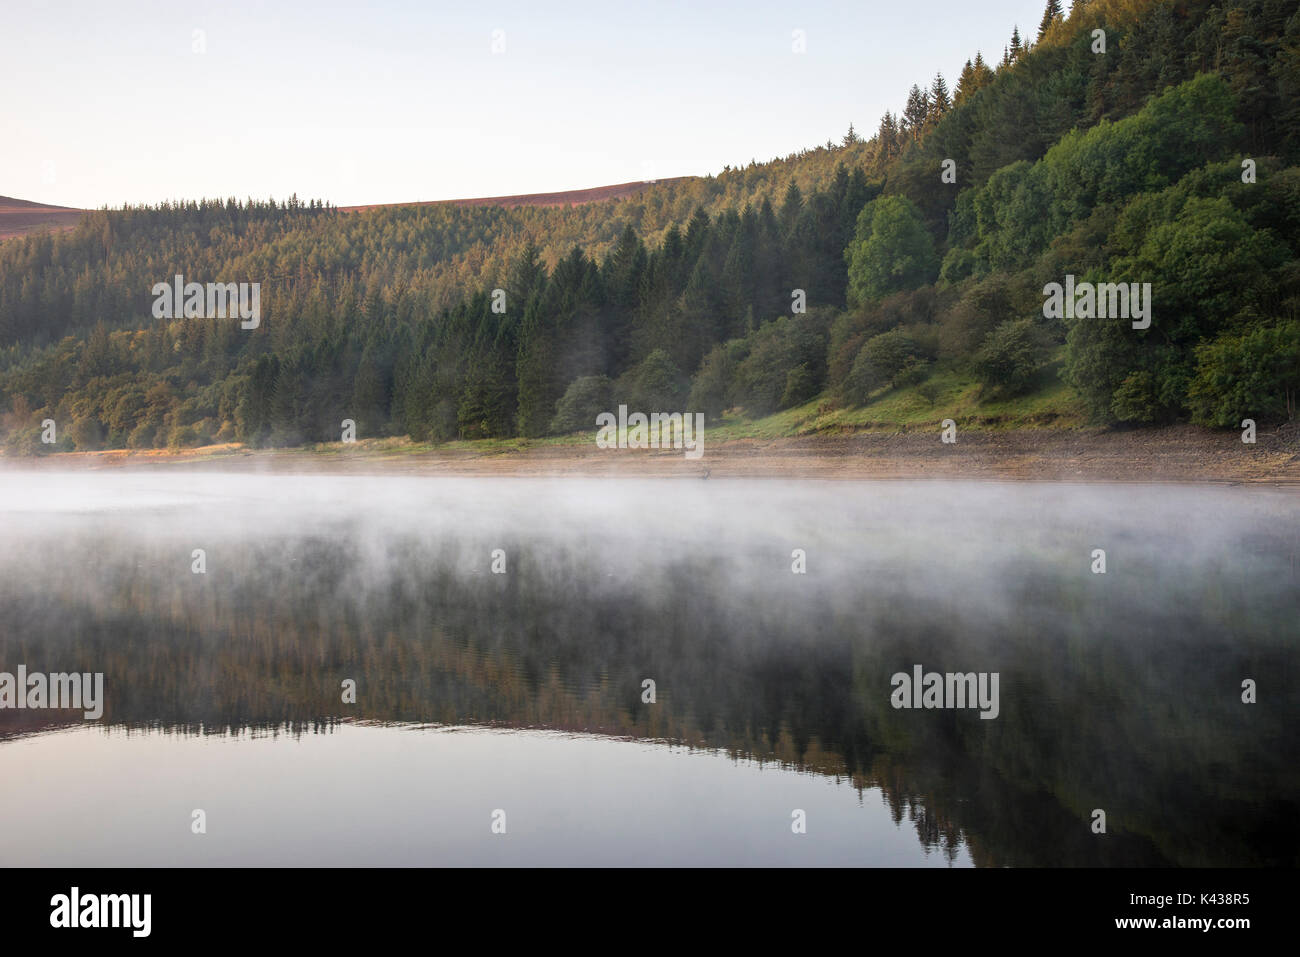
{"x": 769, "y": 617}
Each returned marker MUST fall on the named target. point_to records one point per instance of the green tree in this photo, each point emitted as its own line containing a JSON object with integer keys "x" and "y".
{"x": 583, "y": 400}
{"x": 1009, "y": 358}
{"x": 1052, "y": 14}
{"x": 891, "y": 251}
{"x": 1252, "y": 375}
{"x": 879, "y": 363}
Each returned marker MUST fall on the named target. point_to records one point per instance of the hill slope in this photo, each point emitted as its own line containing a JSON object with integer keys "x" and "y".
{"x": 19, "y": 217}
{"x": 896, "y": 280}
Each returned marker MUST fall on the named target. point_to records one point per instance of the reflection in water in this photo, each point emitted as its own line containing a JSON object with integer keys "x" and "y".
{"x": 1119, "y": 691}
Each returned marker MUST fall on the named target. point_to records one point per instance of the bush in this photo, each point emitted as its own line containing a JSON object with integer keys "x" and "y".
{"x": 1007, "y": 361}
{"x": 780, "y": 364}
{"x": 182, "y": 437}
{"x": 27, "y": 442}
{"x": 959, "y": 264}
{"x": 1255, "y": 375}
{"x": 87, "y": 434}
{"x": 583, "y": 400}
{"x": 143, "y": 436}
{"x": 800, "y": 386}
{"x": 711, "y": 389}
{"x": 914, "y": 372}
{"x": 1135, "y": 399}
{"x": 654, "y": 385}
{"x": 879, "y": 363}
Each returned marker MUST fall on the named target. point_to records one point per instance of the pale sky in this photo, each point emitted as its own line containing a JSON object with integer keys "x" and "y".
{"x": 391, "y": 101}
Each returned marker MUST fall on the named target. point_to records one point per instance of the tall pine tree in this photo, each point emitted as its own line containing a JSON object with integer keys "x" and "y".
{"x": 1050, "y": 15}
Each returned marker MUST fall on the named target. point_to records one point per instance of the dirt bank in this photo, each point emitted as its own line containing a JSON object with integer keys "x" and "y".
{"x": 1179, "y": 454}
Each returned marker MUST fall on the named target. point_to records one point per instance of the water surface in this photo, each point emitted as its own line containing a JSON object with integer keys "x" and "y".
{"x": 523, "y": 691}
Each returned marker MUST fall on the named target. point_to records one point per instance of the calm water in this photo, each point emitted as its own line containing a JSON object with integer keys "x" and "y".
{"x": 522, "y": 692}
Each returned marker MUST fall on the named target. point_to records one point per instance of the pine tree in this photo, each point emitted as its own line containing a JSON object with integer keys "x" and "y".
{"x": 1051, "y": 15}
{"x": 982, "y": 71}
{"x": 887, "y": 137}
{"x": 965, "y": 84}
{"x": 939, "y": 99}
{"x": 1017, "y": 48}
{"x": 791, "y": 206}
{"x": 850, "y": 137}
{"x": 916, "y": 112}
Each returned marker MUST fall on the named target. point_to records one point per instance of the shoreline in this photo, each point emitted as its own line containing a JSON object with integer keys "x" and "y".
{"x": 1170, "y": 454}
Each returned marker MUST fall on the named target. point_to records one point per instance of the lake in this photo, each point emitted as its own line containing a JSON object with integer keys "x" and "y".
{"x": 424, "y": 670}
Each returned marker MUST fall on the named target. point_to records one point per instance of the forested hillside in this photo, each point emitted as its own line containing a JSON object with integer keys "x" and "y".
{"x": 1164, "y": 152}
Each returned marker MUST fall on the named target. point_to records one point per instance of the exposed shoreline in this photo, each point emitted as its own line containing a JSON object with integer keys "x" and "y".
{"x": 1172, "y": 454}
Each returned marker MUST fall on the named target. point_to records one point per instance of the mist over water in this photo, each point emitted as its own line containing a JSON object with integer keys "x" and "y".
{"x": 523, "y": 690}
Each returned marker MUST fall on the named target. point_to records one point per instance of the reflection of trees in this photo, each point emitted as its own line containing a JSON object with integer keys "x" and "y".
{"x": 1096, "y": 712}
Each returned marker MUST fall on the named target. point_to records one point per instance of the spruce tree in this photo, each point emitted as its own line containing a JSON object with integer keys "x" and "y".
{"x": 939, "y": 99}
{"x": 965, "y": 84}
{"x": 887, "y": 137}
{"x": 916, "y": 112}
{"x": 790, "y": 206}
{"x": 1050, "y": 15}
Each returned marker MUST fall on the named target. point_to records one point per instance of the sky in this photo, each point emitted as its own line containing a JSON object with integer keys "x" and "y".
{"x": 139, "y": 101}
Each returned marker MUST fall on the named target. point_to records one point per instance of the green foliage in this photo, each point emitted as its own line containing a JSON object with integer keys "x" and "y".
{"x": 1008, "y": 360}
{"x": 1210, "y": 270}
{"x": 958, "y": 264}
{"x": 1136, "y": 399}
{"x": 583, "y": 400}
{"x": 1252, "y": 375}
{"x": 655, "y": 385}
{"x": 1122, "y": 167}
{"x": 1010, "y": 220}
{"x": 27, "y": 443}
{"x": 762, "y": 381}
{"x": 801, "y": 385}
{"x": 891, "y": 250}
{"x": 711, "y": 388}
{"x": 880, "y": 363}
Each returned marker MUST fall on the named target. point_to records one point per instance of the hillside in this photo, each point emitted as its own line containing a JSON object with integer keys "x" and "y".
{"x": 896, "y": 280}
{"x": 18, "y": 217}
{"x": 570, "y": 197}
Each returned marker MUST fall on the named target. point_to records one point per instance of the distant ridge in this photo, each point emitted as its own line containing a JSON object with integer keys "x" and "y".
{"x": 571, "y": 197}
{"x": 21, "y": 216}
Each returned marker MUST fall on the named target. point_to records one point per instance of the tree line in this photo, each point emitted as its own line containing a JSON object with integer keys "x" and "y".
{"x": 833, "y": 275}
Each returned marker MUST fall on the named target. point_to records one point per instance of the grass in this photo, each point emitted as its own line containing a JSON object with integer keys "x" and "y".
{"x": 956, "y": 395}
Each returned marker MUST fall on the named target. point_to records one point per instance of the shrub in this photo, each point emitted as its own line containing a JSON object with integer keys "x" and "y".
{"x": 914, "y": 372}
{"x": 583, "y": 400}
{"x": 879, "y": 363}
{"x": 1007, "y": 361}
{"x": 800, "y": 386}
{"x": 1255, "y": 375}
{"x": 182, "y": 437}
{"x": 1135, "y": 400}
